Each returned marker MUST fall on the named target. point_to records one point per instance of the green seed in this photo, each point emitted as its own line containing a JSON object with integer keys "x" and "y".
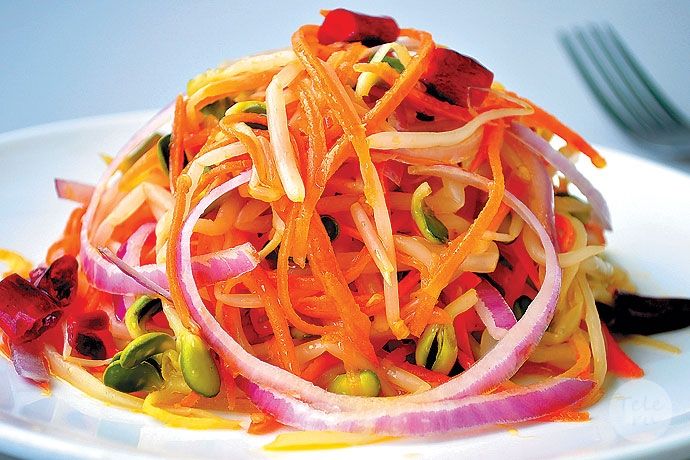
{"x": 164, "y": 152}
{"x": 144, "y": 347}
{"x": 217, "y": 108}
{"x": 331, "y": 226}
{"x": 437, "y": 348}
{"x": 247, "y": 107}
{"x": 141, "y": 377}
{"x": 431, "y": 228}
{"x": 394, "y": 62}
{"x": 198, "y": 368}
{"x": 369, "y": 385}
{"x": 297, "y": 334}
{"x": 139, "y": 152}
{"x": 139, "y": 313}
{"x": 520, "y": 306}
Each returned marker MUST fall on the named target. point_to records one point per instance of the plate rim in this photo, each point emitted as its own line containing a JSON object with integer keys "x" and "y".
{"x": 34, "y": 442}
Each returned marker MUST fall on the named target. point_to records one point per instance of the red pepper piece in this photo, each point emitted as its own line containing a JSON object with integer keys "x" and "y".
{"x": 617, "y": 360}
{"x": 451, "y": 75}
{"x": 341, "y": 25}
{"x": 565, "y": 233}
{"x": 260, "y": 322}
{"x": 25, "y": 311}
{"x": 60, "y": 280}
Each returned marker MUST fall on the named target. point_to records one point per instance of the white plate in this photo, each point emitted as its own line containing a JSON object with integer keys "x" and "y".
{"x": 639, "y": 418}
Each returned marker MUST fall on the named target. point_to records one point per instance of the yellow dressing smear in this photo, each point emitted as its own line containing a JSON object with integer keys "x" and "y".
{"x": 16, "y": 263}
{"x": 186, "y": 417}
{"x": 308, "y": 440}
{"x": 651, "y": 342}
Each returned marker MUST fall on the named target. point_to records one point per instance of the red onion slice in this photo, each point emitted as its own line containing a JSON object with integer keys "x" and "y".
{"x": 130, "y": 253}
{"x": 498, "y": 365}
{"x": 561, "y": 163}
{"x": 130, "y": 271}
{"x": 425, "y": 419}
{"x": 540, "y": 199}
{"x": 29, "y": 363}
{"x": 117, "y": 277}
{"x": 131, "y": 249}
{"x": 493, "y": 310}
{"x": 74, "y": 191}
{"x": 88, "y": 254}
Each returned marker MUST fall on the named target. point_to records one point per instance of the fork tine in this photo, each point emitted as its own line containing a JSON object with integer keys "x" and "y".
{"x": 647, "y": 108}
{"x": 644, "y": 78}
{"x": 568, "y": 44}
{"x": 639, "y": 120}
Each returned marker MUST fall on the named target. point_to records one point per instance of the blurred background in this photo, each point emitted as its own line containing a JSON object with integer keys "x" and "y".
{"x": 68, "y": 59}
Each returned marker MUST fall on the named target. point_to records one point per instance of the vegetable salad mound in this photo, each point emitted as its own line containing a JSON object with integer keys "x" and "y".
{"x": 363, "y": 233}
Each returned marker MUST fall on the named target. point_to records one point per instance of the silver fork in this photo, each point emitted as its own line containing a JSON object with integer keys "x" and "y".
{"x": 623, "y": 88}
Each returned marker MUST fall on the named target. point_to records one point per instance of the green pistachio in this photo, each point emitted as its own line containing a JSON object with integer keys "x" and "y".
{"x": 198, "y": 368}
{"x": 145, "y": 346}
{"x": 164, "y": 152}
{"x": 368, "y": 384}
{"x": 431, "y": 228}
{"x": 247, "y": 107}
{"x": 142, "y": 377}
{"x": 139, "y": 313}
{"x": 437, "y": 348}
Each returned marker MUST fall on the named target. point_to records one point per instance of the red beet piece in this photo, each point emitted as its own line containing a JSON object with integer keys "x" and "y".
{"x": 97, "y": 320}
{"x": 89, "y": 335}
{"x": 60, "y": 280}
{"x": 341, "y": 25}
{"x": 450, "y": 76}
{"x": 25, "y": 311}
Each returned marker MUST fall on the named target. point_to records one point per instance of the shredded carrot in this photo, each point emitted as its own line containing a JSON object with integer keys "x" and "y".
{"x": 176, "y": 161}
{"x": 222, "y": 170}
{"x": 317, "y": 367}
{"x": 263, "y": 424}
{"x": 70, "y": 243}
{"x": 465, "y": 244}
{"x": 176, "y": 293}
{"x": 258, "y": 282}
{"x": 542, "y": 119}
{"x": 325, "y": 268}
{"x": 405, "y": 83}
{"x": 283, "y": 283}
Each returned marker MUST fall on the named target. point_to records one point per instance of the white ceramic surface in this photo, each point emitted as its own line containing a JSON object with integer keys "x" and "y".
{"x": 649, "y": 204}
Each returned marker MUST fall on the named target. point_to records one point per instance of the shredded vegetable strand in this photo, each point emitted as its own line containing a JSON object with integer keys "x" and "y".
{"x": 356, "y": 325}
{"x": 257, "y": 281}
{"x": 182, "y": 189}
{"x": 463, "y": 245}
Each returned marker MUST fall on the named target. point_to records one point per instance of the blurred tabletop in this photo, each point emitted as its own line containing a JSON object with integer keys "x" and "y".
{"x": 69, "y": 59}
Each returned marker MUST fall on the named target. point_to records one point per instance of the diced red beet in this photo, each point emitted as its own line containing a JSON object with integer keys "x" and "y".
{"x": 341, "y": 25}
{"x": 451, "y": 75}
{"x": 94, "y": 320}
{"x": 89, "y": 335}
{"x": 60, "y": 280}
{"x": 25, "y": 311}
{"x": 90, "y": 345}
